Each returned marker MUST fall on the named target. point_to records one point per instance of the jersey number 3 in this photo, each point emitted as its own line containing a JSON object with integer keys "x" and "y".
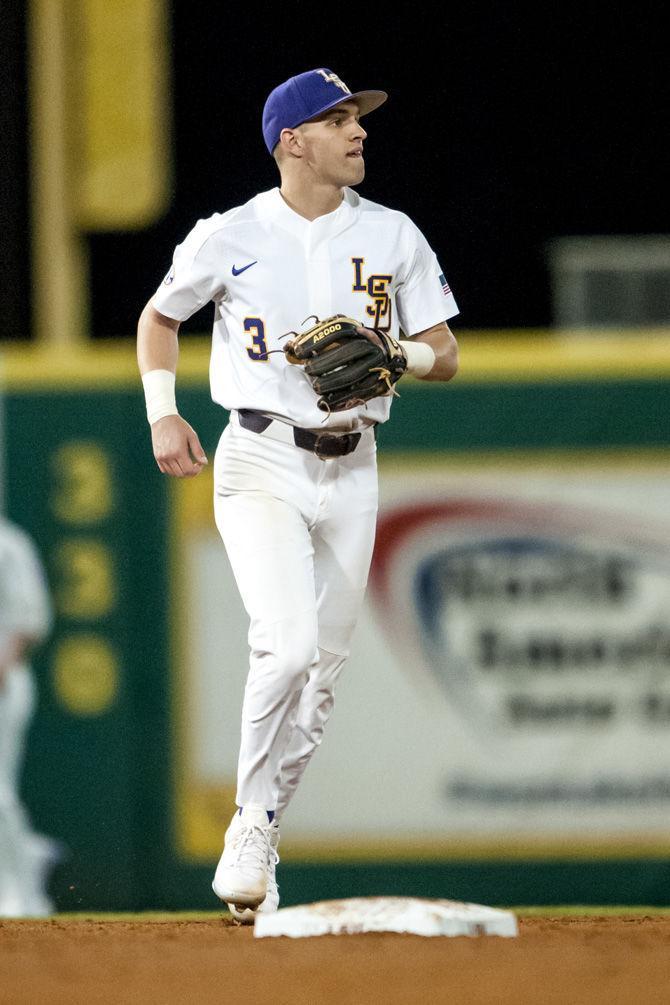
{"x": 258, "y": 350}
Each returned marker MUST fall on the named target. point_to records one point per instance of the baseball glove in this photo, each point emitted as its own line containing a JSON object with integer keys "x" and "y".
{"x": 347, "y": 366}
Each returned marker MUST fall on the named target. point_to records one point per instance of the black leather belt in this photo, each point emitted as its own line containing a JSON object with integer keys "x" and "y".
{"x": 324, "y": 445}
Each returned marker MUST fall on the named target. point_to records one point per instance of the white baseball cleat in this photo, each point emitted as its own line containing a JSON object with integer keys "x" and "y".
{"x": 247, "y": 915}
{"x": 241, "y": 875}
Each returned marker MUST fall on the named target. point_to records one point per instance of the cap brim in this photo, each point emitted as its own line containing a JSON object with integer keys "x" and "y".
{"x": 367, "y": 101}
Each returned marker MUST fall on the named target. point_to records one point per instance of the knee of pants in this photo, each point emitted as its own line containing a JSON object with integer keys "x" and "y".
{"x": 318, "y": 697}
{"x": 284, "y": 651}
{"x": 325, "y": 673}
{"x": 318, "y": 716}
{"x": 276, "y": 675}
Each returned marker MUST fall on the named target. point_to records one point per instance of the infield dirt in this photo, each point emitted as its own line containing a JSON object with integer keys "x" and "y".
{"x": 624, "y": 959}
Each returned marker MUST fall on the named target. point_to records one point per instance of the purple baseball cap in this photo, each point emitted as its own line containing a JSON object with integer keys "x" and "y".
{"x": 308, "y": 94}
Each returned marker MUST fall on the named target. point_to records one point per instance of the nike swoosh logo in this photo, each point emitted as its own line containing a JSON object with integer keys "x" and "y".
{"x": 236, "y": 272}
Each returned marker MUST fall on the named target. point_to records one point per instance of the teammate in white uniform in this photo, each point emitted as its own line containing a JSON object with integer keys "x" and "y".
{"x": 295, "y": 495}
{"x": 25, "y": 618}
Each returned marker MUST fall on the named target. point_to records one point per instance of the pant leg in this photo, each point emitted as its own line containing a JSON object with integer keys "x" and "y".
{"x": 271, "y": 554}
{"x": 17, "y": 873}
{"x": 343, "y": 539}
{"x": 17, "y": 705}
{"x": 314, "y": 710}
{"x": 343, "y": 543}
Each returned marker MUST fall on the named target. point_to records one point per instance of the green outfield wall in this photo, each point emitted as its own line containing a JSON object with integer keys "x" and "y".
{"x": 80, "y": 477}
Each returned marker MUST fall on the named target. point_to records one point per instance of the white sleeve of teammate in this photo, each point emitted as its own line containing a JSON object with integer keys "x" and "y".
{"x": 25, "y": 605}
{"x": 195, "y": 277}
{"x": 423, "y": 296}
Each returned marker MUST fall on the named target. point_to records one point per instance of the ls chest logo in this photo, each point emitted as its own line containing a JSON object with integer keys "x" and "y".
{"x": 376, "y": 287}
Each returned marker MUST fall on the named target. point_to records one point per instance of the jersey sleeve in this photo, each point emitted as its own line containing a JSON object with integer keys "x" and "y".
{"x": 195, "y": 276}
{"x": 423, "y": 295}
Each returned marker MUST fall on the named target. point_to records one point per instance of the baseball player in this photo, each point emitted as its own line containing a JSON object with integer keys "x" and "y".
{"x": 25, "y": 618}
{"x": 295, "y": 496}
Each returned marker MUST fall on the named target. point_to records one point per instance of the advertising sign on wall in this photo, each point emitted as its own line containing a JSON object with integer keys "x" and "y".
{"x": 510, "y": 677}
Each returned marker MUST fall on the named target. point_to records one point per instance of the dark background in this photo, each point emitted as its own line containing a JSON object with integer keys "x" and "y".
{"x": 502, "y": 131}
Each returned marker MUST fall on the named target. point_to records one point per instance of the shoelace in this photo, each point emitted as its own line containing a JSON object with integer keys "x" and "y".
{"x": 252, "y": 844}
{"x": 273, "y": 887}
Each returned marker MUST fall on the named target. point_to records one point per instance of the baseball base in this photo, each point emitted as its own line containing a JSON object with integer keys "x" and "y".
{"x": 411, "y": 915}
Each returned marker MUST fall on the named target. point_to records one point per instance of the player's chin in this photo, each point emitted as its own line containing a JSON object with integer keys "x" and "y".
{"x": 355, "y": 169}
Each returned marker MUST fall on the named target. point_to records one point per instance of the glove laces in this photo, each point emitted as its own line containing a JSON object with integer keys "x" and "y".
{"x": 385, "y": 375}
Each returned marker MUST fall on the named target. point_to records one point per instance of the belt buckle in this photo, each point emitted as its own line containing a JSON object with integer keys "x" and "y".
{"x": 342, "y": 443}
{"x": 324, "y": 437}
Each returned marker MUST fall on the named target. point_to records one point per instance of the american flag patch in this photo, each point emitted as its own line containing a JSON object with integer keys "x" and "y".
{"x": 445, "y": 285}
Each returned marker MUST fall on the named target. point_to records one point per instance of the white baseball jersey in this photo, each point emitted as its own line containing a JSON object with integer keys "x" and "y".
{"x": 268, "y": 270}
{"x": 25, "y": 608}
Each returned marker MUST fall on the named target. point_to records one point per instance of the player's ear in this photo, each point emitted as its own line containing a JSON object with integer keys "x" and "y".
{"x": 291, "y": 142}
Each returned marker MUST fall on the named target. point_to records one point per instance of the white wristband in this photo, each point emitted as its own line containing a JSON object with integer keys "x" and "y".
{"x": 159, "y": 394}
{"x": 420, "y": 357}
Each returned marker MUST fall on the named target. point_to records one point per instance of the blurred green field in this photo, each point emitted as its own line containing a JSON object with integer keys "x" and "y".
{"x": 589, "y": 910}
{"x": 549, "y": 911}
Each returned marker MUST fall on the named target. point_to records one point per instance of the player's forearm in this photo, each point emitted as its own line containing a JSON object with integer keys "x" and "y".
{"x": 157, "y": 354}
{"x": 444, "y": 346}
{"x": 176, "y": 446}
{"x": 157, "y": 343}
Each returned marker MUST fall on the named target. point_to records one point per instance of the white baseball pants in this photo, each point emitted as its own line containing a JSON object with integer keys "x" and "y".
{"x": 21, "y": 869}
{"x": 299, "y": 533}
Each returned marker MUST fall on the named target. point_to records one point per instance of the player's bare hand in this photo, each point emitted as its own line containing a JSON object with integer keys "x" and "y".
{"x": 177, "y": 448}
{"x": 371, "y": 335}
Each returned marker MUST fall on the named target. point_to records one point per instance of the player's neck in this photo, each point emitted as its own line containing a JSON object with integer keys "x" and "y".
{"x": 313, "y": 201}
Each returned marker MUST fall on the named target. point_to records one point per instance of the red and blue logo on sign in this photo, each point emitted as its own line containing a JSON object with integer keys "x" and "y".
{"x": 528, "y": 616}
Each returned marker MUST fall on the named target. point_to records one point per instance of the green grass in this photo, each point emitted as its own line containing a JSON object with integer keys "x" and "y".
{"x": 559, "y": 911}
{"x": 585, "y": 911}
{"x": 141, "y": 916}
